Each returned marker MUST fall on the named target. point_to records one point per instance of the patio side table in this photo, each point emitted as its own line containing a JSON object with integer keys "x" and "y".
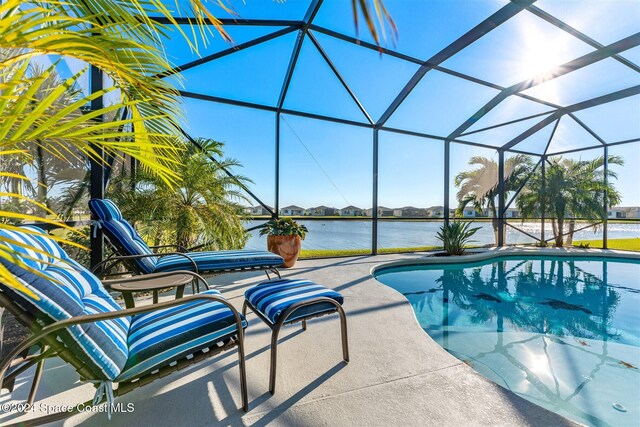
{"x": 153, "y": 282}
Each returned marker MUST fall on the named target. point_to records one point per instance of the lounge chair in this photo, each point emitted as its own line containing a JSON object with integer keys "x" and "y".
{"x": 131, "y": 248}
{"x": 75, "y": 319}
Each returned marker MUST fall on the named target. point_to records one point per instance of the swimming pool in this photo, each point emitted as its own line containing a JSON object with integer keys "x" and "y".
{"x": 561, "y": 332}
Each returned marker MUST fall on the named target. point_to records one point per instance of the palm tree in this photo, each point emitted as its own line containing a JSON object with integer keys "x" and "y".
{"x": 479, "y": 187}
{"x": 125, "y": 48}
{"x": 570, "y": 189}
{"x": 53, "y": 170}
{"x": 203, "y": 208}
{"x": 123, "y": 41}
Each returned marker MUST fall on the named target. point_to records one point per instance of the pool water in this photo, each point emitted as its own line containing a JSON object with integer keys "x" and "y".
{"x": 563, "y": 333}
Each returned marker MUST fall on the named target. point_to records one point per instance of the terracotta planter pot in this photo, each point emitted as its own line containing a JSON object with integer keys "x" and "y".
{"x": 288, "y": 247}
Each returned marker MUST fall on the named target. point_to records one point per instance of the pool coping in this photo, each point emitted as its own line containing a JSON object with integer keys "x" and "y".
{"x": 489, "y": 253}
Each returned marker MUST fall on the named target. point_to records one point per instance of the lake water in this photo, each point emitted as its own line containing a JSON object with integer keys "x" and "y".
{"x": 355, "y": 234}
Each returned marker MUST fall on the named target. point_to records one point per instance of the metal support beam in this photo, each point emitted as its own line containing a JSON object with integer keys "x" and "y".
{"x": 626, "y": 141}
{"x": 374, "y": 209}
{"x": 610, "y": 97}
{"x": 307, "y": 21}
{"x": 227, "y": 172}
{"x": 605, "y": 202}
{"x": 277, "y": 192}
{"x": 96, "y": 189}
{"x": 447, "y": 157}
{"x": 587, "y": 128}
{"x": 228, "y": 101}
{"x": 533, "y": 129}
{"x": 575, "y": 150}
{"x": 505, "y": 13}
{"x": 560, "y": 70}
{"x": 292, "y": 66}
{"x": 522, "y": 185}
{"x": 553, "y": 132}
{"x": 501, "y": 199}
{"x": 522, "y": 119}
{"x": 339, "y": 76}
{"x": 577, "y": 34}
{"x": 436, "y": 137}
{"x": 543, "y": 207}
{"x": 263, "y": 107}
{"x": 229, "y": 21}
{"x": 226, "y": 52}
{"x": 272, "y": 109}
{"x": 405, "y": 57}
{"x": 528, "y": 153}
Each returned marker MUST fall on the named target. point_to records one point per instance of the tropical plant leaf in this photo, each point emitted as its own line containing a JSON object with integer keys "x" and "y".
{"x": 376, "y": 17}
{"x": 122, "y": 40}
{"x": 455, "y": 235}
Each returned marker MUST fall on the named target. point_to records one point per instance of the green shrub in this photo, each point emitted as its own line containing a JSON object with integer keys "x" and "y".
{"x": 455, "y": 235}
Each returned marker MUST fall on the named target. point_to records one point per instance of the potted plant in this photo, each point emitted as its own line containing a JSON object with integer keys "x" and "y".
{"x": 284, "y": 237}
{"x": 455, "y": 235}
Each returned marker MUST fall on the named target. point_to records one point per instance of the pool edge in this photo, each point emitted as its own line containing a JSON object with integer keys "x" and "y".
{"x": 490, "y": 253}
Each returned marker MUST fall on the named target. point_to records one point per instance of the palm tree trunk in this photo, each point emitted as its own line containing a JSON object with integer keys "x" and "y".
{"x": 572, "y": 227}
{"x": 494, "y": 220}
{"x": 559, "y": 236}
{"x": 42, "y": 179}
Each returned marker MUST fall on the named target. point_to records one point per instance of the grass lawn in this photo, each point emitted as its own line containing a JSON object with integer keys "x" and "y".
{"x": 622, "y": 244}
{"x": 322, "y": 253}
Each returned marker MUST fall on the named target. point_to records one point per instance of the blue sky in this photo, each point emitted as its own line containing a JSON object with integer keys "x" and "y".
{"x": 331, "y": 164}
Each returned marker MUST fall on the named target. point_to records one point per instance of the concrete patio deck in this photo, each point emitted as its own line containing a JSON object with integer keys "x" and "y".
{"x": 397, "y": 375}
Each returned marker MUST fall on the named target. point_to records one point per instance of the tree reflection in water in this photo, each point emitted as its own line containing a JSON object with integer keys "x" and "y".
{"x": 552, "y": 301}
{"x": 559, "y": 313}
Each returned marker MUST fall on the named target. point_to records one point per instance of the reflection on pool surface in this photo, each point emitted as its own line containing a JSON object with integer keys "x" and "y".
{"x": 563, "y": 333}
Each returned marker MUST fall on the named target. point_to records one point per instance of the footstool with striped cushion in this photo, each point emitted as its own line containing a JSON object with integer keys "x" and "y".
{"x": 284, "y": 301}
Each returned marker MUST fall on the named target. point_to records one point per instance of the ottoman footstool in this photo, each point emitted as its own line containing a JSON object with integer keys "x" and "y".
{"x": 284, "y": 301}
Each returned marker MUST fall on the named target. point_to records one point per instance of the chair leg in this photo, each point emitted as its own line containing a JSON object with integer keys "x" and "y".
{"x": 343, "y": 329}
{"x": 244, "y": 309}
{"x": 304, "y": 324}
{"x": 36, "y": 382}
{"x": 180, "y": 291}
{"x": 274, "y": 359}
{"x": 129, "y": 302}
{"x": 243, "y": 375}
{"x": 267, "y": 273}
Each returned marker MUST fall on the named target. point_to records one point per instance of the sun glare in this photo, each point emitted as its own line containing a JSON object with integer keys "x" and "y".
{"x": 540, "y": 54}
{"x": 538, "y": 60}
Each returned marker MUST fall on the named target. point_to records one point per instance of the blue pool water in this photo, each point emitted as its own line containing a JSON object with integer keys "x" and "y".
{"x": 563, "y": 333}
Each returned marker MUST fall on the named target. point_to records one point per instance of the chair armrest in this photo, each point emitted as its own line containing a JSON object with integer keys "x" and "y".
{"x": 194, "y": 248}
{"x": 177, "y": 247}
{"x": 120, "y": 258}
{"x": 92, "y": 318}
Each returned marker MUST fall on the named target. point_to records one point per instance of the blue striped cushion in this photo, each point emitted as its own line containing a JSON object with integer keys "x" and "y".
{"x": 66, "y": 289}
{"x": 219, "y": 260}
{"x": 121, "y": 234}
{"x": 272, "y": 298}
{"x": 158, "y": 338}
